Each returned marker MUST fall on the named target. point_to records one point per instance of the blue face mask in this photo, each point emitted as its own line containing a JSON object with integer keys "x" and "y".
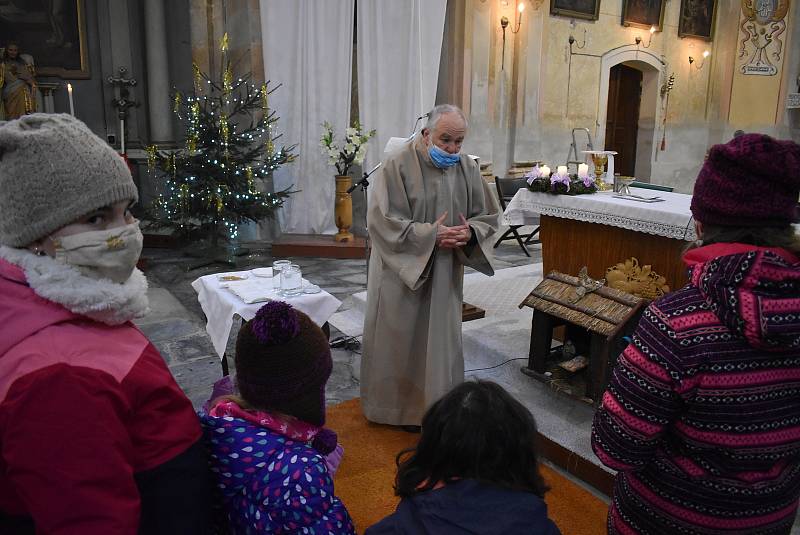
{"x": 442, "y": 159}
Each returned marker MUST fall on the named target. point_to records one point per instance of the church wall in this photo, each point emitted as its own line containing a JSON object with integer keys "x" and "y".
{"x": 520, "y": 108}
{"x": 116, "y": 36}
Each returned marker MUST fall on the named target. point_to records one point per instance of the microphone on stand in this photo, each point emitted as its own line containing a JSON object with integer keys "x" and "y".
{"x": 414, "y": 130}
{"x": 363, "y": 182}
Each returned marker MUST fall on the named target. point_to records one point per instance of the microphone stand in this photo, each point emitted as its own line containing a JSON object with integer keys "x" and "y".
{"x": 414, "y": 129}
{"x": 364, "y": 184}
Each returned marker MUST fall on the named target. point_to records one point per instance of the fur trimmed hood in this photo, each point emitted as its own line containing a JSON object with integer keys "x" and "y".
{"x": 101, "y": 300}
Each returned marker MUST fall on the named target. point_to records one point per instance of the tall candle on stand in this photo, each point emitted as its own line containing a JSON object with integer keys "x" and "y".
{"x": 122, "y": 136}
{"x": 71, "y": 104}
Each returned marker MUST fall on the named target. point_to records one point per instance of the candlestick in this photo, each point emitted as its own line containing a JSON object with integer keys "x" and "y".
{"x": 71, "y": 103}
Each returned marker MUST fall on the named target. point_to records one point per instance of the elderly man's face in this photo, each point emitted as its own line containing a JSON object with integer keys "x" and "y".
{"x": 448, "y": 134}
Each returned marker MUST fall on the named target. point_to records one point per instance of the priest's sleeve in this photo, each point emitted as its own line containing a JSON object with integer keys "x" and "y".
{"x": 484, "y": 219}
{"x": 406, "y": 246}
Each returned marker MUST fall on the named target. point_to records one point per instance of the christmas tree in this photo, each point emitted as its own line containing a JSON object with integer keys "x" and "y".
{"x": 211, "y": 184}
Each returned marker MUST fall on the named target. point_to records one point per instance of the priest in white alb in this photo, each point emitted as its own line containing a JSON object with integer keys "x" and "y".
{"x": 431, "y": 214}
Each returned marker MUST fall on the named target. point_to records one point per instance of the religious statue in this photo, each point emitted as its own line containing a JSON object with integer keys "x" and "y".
{"x": 18, "y": 83}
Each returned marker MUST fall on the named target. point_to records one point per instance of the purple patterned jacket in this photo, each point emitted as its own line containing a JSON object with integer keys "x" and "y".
{"x": 271, "y": 483}
{"x": 702, "y": 413}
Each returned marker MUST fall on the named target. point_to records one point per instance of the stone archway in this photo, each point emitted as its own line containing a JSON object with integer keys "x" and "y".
{"x": 651, "y": 67}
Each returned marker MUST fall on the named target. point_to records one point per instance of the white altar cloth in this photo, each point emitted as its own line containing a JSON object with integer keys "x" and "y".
{"x": 671, "y": 218}
{"x": 220, "y": 305}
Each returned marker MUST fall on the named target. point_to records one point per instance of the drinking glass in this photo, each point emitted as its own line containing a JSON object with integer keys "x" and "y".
{"x": 277, "y": 266}
{"x": 291, "y": 280}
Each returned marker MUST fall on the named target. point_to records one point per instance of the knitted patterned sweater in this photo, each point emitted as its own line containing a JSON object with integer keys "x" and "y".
{"x": 702, "y": 413}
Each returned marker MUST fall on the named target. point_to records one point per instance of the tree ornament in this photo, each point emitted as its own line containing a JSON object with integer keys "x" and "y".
{"x": 197, "y": 77}
{"x": 151, "y": 151}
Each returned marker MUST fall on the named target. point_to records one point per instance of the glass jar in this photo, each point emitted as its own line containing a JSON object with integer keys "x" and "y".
{"x": 291, "y": 280}
{"x": 277, "y": 267}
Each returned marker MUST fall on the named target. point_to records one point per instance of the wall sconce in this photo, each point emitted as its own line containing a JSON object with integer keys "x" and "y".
{"x": 700, "y": 66}
{"x": 517, "y": 21}
{"x": 649, "y": 40}
{"x": 504, "y": 25}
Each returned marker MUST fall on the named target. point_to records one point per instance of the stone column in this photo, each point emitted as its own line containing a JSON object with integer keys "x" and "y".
{"x": 158, "y": 87}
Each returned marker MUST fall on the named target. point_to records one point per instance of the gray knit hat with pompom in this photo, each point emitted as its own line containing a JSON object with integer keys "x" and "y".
{"x": 53, "y": 171}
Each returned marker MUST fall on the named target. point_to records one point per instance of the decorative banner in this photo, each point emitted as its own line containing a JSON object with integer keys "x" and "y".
{"x": 761, "y": 46}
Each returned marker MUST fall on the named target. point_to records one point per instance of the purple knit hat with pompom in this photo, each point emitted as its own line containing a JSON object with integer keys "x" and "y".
{"x": 283, "y": 361}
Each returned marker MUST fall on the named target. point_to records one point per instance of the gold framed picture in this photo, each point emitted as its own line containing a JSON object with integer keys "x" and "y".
{"x": 697, "y": 19}
{"x": 53, "y": 33}
{"x": 580, "y": 9}
{"x": 643, "y": 13}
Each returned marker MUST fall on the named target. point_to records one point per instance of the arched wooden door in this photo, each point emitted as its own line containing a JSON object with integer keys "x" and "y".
{"x": 622, "y": 118}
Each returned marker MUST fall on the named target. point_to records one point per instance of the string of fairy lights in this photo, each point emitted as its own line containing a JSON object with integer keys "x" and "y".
{"x": 213, "y": 179}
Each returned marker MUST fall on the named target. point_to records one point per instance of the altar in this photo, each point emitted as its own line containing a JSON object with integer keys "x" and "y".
{"x": 600, "y": 230}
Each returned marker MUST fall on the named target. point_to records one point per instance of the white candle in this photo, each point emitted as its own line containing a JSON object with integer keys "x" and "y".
{"x": 545, "y": 171}
{"x": 71, "y": 104}
{"x": 583, "y": 169}
{"x": 562, "y": 170}
{"x": 122, "y": 136}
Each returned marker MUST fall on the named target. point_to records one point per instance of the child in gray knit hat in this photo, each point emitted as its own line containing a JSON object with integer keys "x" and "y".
{"x": 95, "y": 435}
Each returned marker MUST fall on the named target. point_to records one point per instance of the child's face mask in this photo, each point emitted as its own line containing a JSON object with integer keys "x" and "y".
{"x": 102, "y": 254}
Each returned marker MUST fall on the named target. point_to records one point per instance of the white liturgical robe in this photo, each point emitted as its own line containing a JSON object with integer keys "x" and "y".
{"x": 412, "y": 329}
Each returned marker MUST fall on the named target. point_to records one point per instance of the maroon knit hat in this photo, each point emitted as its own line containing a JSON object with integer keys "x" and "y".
{"x": 283, "y": 361}
{"x": 751, "y": 181}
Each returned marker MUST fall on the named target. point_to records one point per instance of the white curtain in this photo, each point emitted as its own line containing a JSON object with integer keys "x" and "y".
{"x": 308, "y": 47}
{"x": 399, "y": 44}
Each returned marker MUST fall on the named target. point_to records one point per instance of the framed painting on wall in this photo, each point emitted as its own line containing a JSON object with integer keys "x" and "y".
{"x": 54, "y": 33}
{"x": 643, "y": 13}
{"x": 697, "y": 19}
{"x": 580, "y": 9}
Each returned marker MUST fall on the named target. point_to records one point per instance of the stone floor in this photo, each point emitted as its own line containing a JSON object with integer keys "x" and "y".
{"x": 176, "y": 323}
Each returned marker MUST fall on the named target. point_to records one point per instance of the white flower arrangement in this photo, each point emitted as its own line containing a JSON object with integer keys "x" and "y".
{"x": 352, "y": 151}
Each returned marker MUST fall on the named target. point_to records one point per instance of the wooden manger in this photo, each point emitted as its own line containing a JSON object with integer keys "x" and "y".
{"x": 596, "y": 321}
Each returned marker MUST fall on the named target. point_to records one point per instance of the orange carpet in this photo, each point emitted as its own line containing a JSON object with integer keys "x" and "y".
{"x": 364, "y": 479}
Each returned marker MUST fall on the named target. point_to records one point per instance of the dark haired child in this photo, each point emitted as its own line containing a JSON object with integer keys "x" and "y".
{"x": 272, "y": 456}
{"x": 474, "y": 470}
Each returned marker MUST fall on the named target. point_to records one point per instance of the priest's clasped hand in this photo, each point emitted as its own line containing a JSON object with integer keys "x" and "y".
{"x": 452, "y": 237}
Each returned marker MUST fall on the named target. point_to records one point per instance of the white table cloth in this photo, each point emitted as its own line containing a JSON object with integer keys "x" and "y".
{"x": 220, "y": 305}
{"x": 671, "y": 217}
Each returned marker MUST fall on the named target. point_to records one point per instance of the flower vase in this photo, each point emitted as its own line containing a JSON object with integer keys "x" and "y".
{"x": 343, "y": 208}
